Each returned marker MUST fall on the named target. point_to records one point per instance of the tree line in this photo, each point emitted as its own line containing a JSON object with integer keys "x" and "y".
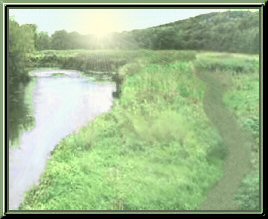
{"x": 231, "y": 31}
{"x": 21, "y": 41}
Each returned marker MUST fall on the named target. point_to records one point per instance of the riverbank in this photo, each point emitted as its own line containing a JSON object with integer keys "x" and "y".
{"x": 55, "y": 102}
{"x": 156, "y": 150}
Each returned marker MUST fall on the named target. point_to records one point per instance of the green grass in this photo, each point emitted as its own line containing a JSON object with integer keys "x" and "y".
{"x": 156, "y": 149}
{"x": 243, "y": 99}
{"x": 240, "y": 90}
{"x": 243, "y": 88}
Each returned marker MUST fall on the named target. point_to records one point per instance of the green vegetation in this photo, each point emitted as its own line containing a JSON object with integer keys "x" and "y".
{"x": 243, "y": 99}
{"x": 185, "y": 123}
{"x": 204, "y": 32}
{"x": 20, "y": 43}
{"x": 88, "y": 61}
{"x": 222, "y": 73}
{"x": 58, "y": 75}
{"x": 156, "y": 149}
{"x": 249, "y": 194}
{"x": 21, "y": 116}
{"x": 214, "y": 31}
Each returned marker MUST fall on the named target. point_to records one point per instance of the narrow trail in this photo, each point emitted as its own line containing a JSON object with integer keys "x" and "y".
{"x": 237, "y": 142}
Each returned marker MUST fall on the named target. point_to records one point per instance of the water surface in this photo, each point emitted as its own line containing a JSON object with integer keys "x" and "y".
{"x": 58, "y": 107}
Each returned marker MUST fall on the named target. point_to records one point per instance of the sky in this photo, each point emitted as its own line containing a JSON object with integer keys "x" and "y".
{"x": 101, "y": 21}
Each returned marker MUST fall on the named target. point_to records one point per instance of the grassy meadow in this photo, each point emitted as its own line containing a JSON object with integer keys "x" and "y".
{"x": 159, "y": 148}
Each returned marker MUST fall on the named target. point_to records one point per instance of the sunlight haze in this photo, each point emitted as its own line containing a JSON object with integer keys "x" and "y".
{"x": 101, "y": 21}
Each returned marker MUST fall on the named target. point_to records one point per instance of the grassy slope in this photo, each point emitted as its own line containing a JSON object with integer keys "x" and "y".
{"x": 155, "y": 150}
{"x": 202, "y": 32}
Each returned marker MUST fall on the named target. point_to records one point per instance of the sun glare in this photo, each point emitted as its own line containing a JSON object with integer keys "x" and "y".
{"x": 103, "y": 22}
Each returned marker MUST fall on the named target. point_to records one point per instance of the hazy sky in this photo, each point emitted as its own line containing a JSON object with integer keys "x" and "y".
{"x": 101, "y": 21}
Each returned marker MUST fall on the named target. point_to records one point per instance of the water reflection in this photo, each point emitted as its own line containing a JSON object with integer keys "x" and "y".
{"x": 60, "y": 106}
{"x": 20, "y": 110}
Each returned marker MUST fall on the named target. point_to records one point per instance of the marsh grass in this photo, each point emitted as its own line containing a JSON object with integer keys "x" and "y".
{"x": 156, "y": 149}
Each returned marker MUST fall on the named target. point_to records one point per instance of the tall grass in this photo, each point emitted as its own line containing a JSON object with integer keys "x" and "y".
{"x": 156, "y": 149}
{"x": 242, "y": 98}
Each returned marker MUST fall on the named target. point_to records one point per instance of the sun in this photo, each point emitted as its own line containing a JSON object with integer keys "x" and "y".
{"x": 103, "y": 23}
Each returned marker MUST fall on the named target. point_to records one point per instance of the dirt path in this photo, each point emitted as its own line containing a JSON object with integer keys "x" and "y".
{"x": 237, "y": 162}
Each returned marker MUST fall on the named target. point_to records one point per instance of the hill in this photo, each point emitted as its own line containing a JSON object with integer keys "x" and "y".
{"x": 231, "y": 31}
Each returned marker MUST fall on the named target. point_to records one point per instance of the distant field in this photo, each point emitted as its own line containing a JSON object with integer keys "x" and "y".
{"x": 159, "y": 148}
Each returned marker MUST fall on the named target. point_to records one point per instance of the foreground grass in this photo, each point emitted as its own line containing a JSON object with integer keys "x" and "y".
{"x": 218, "y": 74}
{"x": 243, "y": 100}
{"x": 237, "y": 75}
{"x": 156, "y": 150}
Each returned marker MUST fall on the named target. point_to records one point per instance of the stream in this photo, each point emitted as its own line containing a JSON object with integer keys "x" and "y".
{"x": 49, "y": 108}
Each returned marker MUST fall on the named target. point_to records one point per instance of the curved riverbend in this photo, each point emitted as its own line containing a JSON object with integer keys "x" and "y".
{"x": 61, "y": 105}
